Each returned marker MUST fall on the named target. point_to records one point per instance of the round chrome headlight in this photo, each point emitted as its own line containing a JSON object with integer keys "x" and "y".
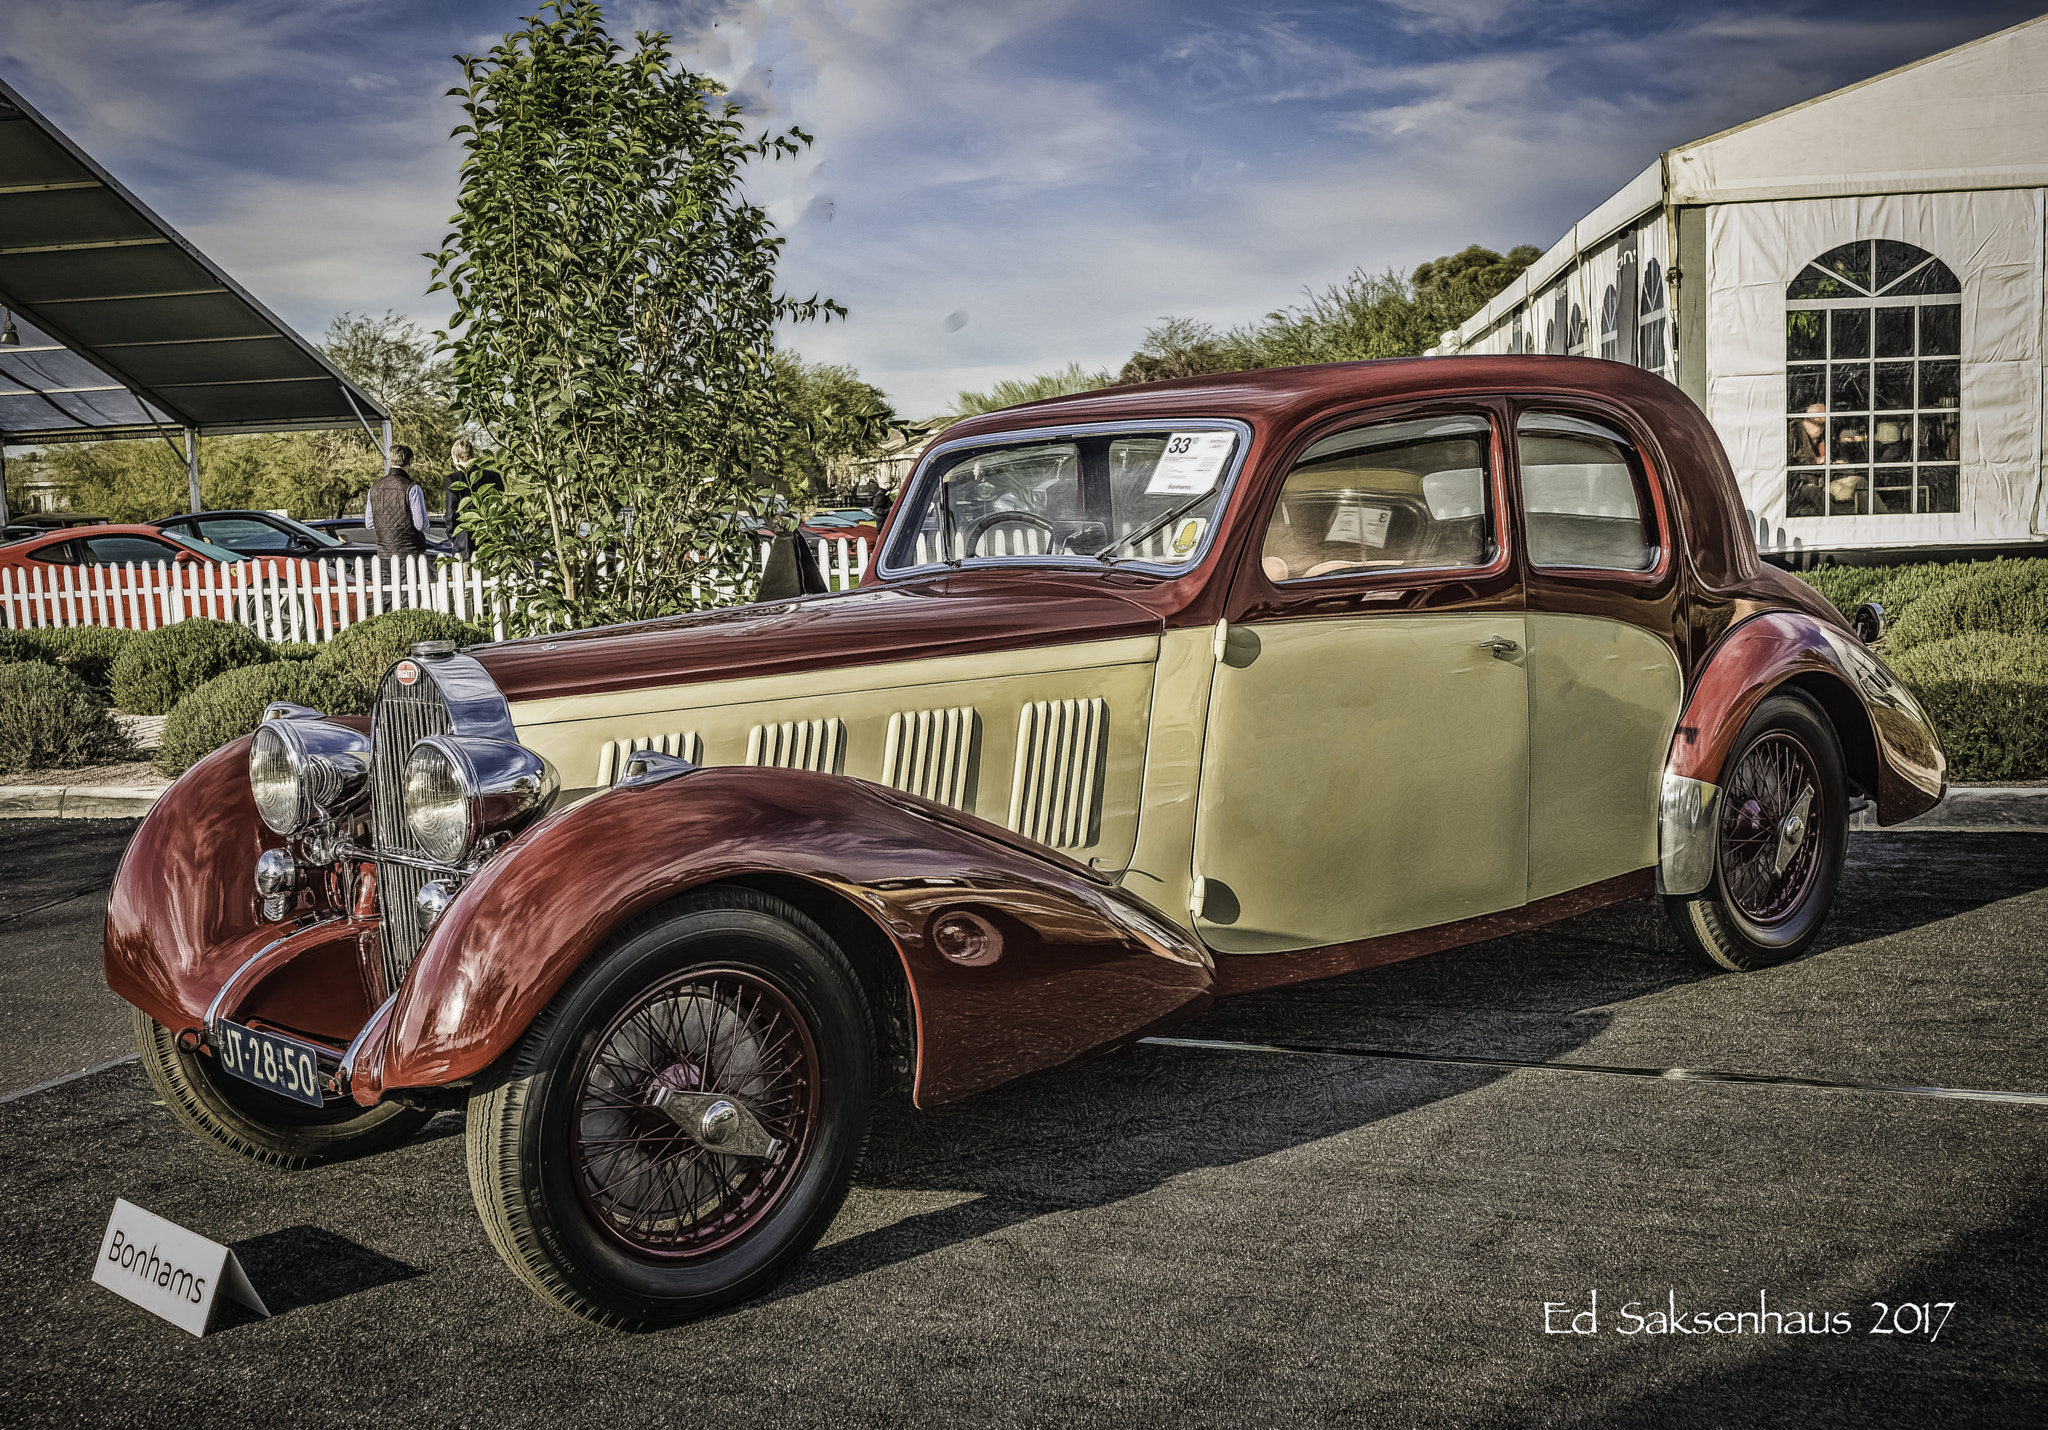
{"x": 460, "y": 788}
{"x": 301, "y": 769}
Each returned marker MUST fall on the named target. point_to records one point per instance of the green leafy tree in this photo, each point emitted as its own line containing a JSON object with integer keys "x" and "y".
{"x": 1366, "y": 315}
{"x": 838, "y": 419}
{"x": 1069, "y": 379}
{"x": 614, "y": 310}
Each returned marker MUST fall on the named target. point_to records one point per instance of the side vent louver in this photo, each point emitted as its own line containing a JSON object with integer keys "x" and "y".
{"x": 932, "y": 752}
{"x": 612, "y": 755}
{"x": 1060, "y": 749}
{"x": 797, "y": 745}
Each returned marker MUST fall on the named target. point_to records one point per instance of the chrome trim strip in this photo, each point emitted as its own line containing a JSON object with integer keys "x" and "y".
{"x": 1688, "y": 824}
{"x": 211, "y": 1022}
{"x": 345, "y": 1074}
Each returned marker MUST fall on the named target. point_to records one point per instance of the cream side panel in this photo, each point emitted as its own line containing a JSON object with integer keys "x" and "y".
{"x": 1162, "y": 865}
{"x": 840, "y": 680}
{"x": 1362, "y": 776}
{"x": 1604, "y": 698}
{"x": 723, "y": 713}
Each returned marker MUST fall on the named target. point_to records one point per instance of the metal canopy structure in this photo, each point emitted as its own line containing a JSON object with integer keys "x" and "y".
{"x": 125, "y": 329}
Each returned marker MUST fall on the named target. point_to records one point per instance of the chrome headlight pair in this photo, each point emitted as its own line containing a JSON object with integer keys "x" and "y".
{"x": 461, "y": 788}
{"x": 302, "y": 769}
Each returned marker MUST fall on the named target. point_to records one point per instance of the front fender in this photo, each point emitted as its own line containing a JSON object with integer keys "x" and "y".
{"x": 1085, "y": 964}
{"x": 1887, "y": 739}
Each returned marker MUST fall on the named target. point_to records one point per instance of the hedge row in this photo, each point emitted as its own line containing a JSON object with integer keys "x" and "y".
{"x": 50, "y": 719}
{"x": 338, "y": 678}
{"x": 1970, "y": 638}
{"x": 88, "y": 652}
{"x": 1987, "y": 694}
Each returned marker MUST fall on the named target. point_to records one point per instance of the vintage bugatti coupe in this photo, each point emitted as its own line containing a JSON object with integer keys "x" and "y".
{"x": 1152, "y": 696}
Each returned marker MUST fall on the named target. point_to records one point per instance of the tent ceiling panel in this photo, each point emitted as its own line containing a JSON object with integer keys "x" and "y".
{"x": 124, "y": 326}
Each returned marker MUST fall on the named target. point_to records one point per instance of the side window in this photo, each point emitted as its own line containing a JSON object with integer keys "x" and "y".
{"x": 1389, "y": 496}
{"x": 242, "y": 533}
{"x": 58, "y": 553}
{"x": 118, "y": 550}
{"x": 1582, "y": 500}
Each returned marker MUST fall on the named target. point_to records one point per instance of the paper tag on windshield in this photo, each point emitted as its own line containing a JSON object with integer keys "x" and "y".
{"x": 1190, "y": 464}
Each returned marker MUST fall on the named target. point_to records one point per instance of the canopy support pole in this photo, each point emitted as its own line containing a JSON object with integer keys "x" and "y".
{"x": 4, "y": 517}
{"x": 192, "y": 466}
{"x": 387, "y": 442}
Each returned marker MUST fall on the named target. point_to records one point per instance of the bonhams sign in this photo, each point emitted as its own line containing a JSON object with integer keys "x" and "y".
{"x": 164, "y": 1268}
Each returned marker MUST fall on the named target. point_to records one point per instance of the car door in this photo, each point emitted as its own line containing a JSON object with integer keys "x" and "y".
{"x": 1365, "y": 768}
{"x": 1605, "y": 686}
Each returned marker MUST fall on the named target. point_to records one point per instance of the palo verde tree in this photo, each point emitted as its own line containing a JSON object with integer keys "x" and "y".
{"x": 614, "y": 308}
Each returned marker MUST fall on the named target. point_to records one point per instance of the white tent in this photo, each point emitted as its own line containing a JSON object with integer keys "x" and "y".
{"x": 1853, "y": 290}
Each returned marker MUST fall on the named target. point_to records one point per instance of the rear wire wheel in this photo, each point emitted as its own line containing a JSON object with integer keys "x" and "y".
{"x": 242, "y": 1118}
{"x": 1782, "y": 828}
{"x": 683, "y": 1120}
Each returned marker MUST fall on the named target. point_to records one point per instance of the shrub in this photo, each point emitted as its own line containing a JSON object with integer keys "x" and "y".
{"x": 50, "y": 719}
{"x": 1899, "y": 589}
{"x": 296, "y": 650}
{"x": 15, "y": 648}
{"x": 1987, "y": 694}
{"x": 232, "y": 704}
{"x": 156, "y": 669}
{"x": 1997, "y": 597}
{"x": 367, "y": 649}
{"x": 88, "y": 652}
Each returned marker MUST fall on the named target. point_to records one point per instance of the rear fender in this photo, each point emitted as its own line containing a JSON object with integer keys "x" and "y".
{"x": 1887, "y": 740}
{"x": 1084, "y": 964}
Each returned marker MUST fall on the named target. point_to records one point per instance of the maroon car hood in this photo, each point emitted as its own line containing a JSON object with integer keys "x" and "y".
{"x": 963, "y": 615}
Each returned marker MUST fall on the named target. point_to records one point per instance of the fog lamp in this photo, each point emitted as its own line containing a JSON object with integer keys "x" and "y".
{"x": 432, "y": 901}
{"x": 967, "y": 938}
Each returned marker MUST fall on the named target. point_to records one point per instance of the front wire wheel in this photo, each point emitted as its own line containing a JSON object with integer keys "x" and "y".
{"x": 683, "y": 1120}
{"x": 1782, "y": 829}
{"x": 242, "y": 1118}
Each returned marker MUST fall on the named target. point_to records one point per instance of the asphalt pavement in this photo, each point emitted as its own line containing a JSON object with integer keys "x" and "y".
{"x": 1182, "y": 1236}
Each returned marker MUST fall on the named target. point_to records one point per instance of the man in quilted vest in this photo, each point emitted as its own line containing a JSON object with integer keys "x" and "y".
{"x": 397, "y": 509}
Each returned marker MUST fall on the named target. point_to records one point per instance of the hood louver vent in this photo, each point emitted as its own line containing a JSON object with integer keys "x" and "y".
{"x": 932, "y": 753}
{"x": 798, "y": 745}
{"x": 613, "y": 754}
{"x": 1060, "y": 750}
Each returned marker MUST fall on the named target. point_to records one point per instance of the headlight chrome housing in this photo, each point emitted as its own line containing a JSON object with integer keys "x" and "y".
{"x": 302, "y": 769}
{"x": 459, "y": 789}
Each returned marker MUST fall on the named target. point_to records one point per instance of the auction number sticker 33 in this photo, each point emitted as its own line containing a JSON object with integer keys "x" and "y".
{"x": 274, "y": 1063}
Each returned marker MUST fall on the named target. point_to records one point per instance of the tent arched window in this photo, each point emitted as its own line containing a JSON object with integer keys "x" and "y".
{"x": 1610, "y": 323}
{"x": 1575, "y": 334}
{"x": 1873, "y": 383}
{"x": 1653, "y": 347}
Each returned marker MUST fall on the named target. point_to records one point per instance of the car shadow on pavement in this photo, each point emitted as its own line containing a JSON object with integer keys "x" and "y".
{"x": 1124, "y": 1124}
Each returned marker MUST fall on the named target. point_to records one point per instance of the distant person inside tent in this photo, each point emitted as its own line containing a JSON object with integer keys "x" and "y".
{"x": 466, "y": 480}
{"x": 1808, "y": 448}
{"x": 396, "y": 509}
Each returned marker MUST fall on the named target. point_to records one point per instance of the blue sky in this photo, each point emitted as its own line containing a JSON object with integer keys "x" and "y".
{"x": 1058, "y": 174}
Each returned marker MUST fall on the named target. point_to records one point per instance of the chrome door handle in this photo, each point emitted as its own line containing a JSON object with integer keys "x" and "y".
{"x": 1501, "y": 646}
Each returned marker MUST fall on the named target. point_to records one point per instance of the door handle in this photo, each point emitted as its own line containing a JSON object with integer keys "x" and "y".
{"x": 1501, "y": 646}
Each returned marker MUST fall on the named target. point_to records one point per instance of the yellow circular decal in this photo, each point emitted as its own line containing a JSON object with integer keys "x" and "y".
{"x": 1189, "y": 534}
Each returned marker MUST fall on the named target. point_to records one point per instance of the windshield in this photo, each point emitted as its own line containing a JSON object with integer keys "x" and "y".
{"x": 1144, "y": 496}
{"x": 204, "y": 548}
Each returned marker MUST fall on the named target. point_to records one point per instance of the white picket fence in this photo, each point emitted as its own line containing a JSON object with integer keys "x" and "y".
{"x": 282, "y": 600}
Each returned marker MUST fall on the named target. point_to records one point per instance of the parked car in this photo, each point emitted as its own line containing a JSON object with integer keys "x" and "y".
{"x": 359, "y": 540}
{"x": 109, "y": 545}
{"x": 258, "y": 533}
{"x": 841, "y": 523}
{"x": 1151, "y": 696}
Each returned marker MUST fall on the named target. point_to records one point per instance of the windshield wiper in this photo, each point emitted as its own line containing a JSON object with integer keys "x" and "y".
{"x": 1107, "y": 555}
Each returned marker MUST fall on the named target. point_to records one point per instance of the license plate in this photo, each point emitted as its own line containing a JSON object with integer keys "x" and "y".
{"x": 274, "y": 1063}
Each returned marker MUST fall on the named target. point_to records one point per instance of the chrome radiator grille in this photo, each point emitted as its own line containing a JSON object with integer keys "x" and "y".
{"x": 404, "y": 715}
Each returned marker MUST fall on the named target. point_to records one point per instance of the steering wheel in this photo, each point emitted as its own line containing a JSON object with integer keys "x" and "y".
{"x": 1031, "y": 518}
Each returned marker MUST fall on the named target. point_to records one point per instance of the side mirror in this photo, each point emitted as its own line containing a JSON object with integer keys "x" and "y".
{"x": 1868, "y": 622}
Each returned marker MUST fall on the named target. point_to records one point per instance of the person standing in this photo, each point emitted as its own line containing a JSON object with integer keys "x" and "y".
{"x": 466, "y": 480}
{"x": 396, "y": 509}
